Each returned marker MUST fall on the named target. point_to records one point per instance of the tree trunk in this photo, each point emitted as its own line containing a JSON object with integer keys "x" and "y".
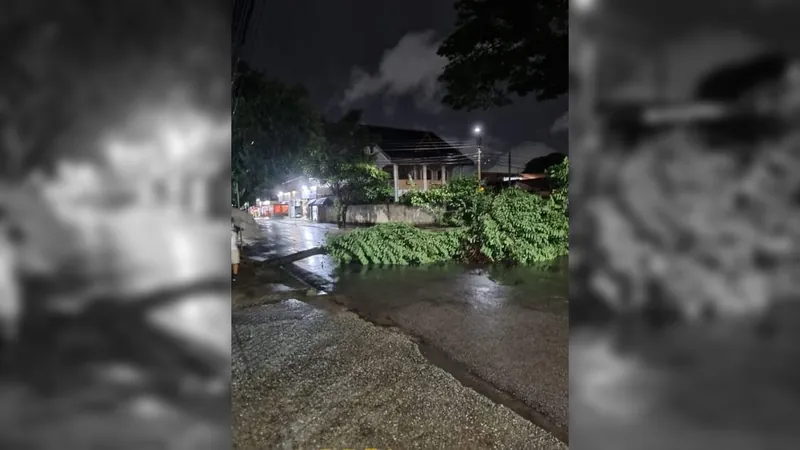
{"x": 344, "y": 216}
{"x": 284, "y": 260}
{"x": 340, "y": 212}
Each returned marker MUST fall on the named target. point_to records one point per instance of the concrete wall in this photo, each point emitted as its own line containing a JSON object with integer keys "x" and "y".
{"x": 324, "y": 214}
{"x": 374, "y": 214}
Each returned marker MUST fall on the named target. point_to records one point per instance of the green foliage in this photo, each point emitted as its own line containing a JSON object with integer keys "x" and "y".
{"x": 350, "y": 172}
{"x": 342, "y": 147}
{"x": 273, "y": 126}
{"x": 524, "y": 53}
{"x": 518, "y": 227}
{"x": 453, "y": 204}
{"x": 362, "y": 183}
{"x": 512, "y": 226}
{"x": 394, "y": 244}
{"x": 558, "y": 177}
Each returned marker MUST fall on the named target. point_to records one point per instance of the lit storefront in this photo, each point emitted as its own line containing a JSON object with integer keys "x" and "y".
{"x": 296, "y": 195}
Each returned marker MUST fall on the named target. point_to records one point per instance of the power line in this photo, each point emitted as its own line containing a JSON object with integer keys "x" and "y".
{"x": 410, "y": 144}
{"x": 412, "y": 141}
{"x": 394, "y": 149}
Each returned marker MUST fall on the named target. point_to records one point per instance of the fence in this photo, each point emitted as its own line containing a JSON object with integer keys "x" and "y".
{"x": 374, "y": 214}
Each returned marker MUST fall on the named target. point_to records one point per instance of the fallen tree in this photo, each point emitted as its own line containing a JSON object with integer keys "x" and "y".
{"x": 288, "y": 259}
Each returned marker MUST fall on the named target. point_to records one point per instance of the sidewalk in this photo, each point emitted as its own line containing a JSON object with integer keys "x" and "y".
{"x": 312, "y": 378}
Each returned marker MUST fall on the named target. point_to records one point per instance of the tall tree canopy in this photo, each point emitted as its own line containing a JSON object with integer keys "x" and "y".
{"x": 502, "y": 48}
{"x": 274, "y": 126}
{"x": 540, "y": 164}
{"x": 341, "y": 161}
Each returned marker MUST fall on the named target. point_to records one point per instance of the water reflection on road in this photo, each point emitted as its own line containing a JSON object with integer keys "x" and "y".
{"x": 479, "y": 287}
{"x": 508, "y": 325}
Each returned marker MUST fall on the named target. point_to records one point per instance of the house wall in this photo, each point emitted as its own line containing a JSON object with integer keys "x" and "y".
{"x": 375, "y": 214}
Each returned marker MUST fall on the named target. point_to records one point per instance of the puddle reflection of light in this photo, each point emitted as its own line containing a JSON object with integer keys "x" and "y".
{"x": 486, "y": 293}
{"x": 308, "y": 236}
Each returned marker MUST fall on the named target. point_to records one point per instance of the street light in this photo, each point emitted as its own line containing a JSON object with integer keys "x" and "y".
{"x": 584, "y": 6}
{"x": 478, "y": 131}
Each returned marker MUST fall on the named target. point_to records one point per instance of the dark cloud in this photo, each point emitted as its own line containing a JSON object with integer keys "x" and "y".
{"x": 381, "y": 57}
{"x": 412, "y": 67}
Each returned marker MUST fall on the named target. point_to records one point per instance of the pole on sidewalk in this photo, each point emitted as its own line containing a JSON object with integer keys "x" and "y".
{"x": 238, "y": 203}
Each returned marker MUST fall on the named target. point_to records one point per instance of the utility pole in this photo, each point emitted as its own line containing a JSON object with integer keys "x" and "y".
{"x": 479, "y": 162}
{"x": 509, "y": 167}
{"x": 477, "y": 131}
{"x": 238, "y": 203}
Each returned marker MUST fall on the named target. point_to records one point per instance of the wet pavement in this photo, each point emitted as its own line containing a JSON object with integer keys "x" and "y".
{"x": 510, "y": 327}
{"x": 507, "y": 326}
{"x": 288, "y": 236}
{"x": 310, "y": 378}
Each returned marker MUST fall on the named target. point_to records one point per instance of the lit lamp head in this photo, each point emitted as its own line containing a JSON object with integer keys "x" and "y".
{"x": 584, "y": 6}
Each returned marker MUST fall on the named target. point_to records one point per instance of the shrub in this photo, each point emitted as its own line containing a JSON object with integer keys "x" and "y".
{"x": 452, "y": 204}
{"x": 518, "y": 227}
{"x": 511, "y": 226}
{"x": 394, "y": 244}
{"x": 558, "y": 177}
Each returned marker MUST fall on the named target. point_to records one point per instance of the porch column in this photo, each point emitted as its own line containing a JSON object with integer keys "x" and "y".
{"x": 444, "y": 174}
{"x": 396, "y": 184}
{"x": 424, "y": 177}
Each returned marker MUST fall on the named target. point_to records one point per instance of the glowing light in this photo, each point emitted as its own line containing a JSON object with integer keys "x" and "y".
{"x": 584, "y": 6}
{"x": 477, "y": 130}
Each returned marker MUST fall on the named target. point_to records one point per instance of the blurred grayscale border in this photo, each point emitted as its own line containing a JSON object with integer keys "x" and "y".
{"x": 114, "y": 204}
{"x": 685, "y": 224}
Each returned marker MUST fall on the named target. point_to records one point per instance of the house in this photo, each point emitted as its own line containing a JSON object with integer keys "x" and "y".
{"x": 415, "y": 159}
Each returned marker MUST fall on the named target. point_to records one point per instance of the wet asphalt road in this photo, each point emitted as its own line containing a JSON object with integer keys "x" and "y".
{"x": 313, "y": 378}
{"x": 287, "y": 236}
{"x": 507, "y": 326}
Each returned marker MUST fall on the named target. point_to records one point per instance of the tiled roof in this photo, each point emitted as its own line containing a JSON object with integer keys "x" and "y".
{"x": 403, "y": 146}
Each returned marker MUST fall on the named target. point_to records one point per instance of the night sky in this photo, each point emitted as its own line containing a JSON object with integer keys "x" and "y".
{"x": 381, "y": 57}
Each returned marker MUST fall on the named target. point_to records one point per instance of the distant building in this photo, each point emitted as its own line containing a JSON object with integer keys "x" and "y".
{"x": 294, "y": 196}
{"x": 415, "y": 159}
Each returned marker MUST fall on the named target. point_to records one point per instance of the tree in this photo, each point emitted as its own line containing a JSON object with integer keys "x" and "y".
{"x": 273, "y": 127}
{"x": 358, "y": 183}
{"x": 341, "y": 161}
{"x": 540, "y": 164}
{"x": 502, "y": 48}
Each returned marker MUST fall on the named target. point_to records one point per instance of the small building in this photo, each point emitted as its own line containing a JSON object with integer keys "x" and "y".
{"x": 321, "y": 210}
{"x": 295, "y": 195}
{"x": 416, "y": 159}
